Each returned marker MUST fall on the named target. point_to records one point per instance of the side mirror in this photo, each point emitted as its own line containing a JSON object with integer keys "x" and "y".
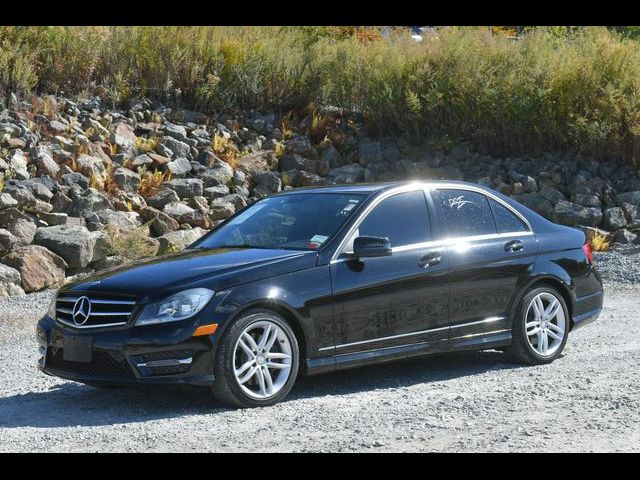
{"x": 371, "y": 247}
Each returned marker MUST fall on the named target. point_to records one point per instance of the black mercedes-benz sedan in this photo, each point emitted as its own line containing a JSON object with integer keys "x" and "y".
{"x": 314, "y": 280}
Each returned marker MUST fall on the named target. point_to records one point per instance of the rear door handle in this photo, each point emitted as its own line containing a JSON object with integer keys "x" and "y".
{"x": 430, "y": 259}
{"x": 514, "y": 246}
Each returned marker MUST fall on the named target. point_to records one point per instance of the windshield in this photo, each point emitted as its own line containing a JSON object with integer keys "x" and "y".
{"x": 296, "y": 221}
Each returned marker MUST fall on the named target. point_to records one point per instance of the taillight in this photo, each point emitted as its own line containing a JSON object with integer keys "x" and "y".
{"x": 587, "y": 251}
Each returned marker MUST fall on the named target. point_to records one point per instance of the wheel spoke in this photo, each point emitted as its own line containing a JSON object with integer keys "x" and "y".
{"x": 249, "y": 339}
{"x": 534, "y": 331}
{"x": 554, "y": 335}
{"x": 246, "y": 349}
{"x": 279, "y": 366}
{"x": 244, "y": 367}
{"x": 268, "y": 380}
{"x": 530, "y": 325}
{"x": 277, "y": 356}
{"x": 553, "y": 309}
{"x": 272, "y": 340}
{"x": 247, "y": 376}
{"x": 538, "y": 308}
{"x": 556, "y": 328}
{"x": 545, "y": 342}
{"x": 264, "y": 338}
{"x": 261, "y": 382}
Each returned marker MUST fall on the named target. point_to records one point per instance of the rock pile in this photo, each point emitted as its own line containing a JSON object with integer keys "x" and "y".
{"x": 85, "y": 187}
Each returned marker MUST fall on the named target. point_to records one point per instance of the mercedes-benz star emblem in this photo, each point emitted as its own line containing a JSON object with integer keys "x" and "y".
{"x": 81, "y": 310}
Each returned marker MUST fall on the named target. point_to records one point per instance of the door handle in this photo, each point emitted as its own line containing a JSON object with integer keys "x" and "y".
{"x": 430, "y": 259}
{"x": 514, "y": 246}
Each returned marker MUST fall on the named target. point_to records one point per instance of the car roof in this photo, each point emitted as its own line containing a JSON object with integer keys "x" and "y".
{"x": 369, "y": 188}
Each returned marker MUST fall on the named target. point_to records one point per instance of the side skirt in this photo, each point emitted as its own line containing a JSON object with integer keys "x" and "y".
{"x": 479, "y": 341}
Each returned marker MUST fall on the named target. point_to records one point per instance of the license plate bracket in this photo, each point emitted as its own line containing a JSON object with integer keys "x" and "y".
{"x": 77, "y": 348}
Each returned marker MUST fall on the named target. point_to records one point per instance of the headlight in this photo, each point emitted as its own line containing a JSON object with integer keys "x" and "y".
{"x": 177, "y": 307}
{"x": 52, "y": 306}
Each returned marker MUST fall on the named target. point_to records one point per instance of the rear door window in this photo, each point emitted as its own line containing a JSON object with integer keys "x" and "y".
{"x": 463, "y": 212}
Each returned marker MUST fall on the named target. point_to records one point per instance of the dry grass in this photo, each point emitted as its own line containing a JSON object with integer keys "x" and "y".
{"x": 151, "y": 182}
{"x": 133, "y": 244}
{"x": 146, "y": 144}
{"x": 225, "y": 149}
{"x": 552, "y": 90}
{"x": 600, "y": 242}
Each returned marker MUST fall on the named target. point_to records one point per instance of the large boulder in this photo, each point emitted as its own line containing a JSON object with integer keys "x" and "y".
{"x": 176, "y": 209}
{"x": 159, "y": 222}
{"x": 116, "y": 219}
{"x": 369, "y": 152}
{"x": 7, "y": 201}
{"x": 587, "y": 200}
{"x": 352, "y": 173}
{"x": 75, "y": 244}
{"x": 7, "y": 241}
{"x": 613, "y": 218}
{"x": 179, "y": 167}
{"x": 220, "y": 173}
{"x": 216, "y": 192}
{"x": 535, "y": 202}
{"x": 551, "y": 194}
{"x": 629, "y": 197}
{"x": 178, "y": 149}
{"x": 39, "y": 268}
{"x": 126, "y": 179}
{"x": 256, "y": 162}
{"x": 89, "y": 200}
{"x": 162, "y": 197}
{"x": 270, "y": 180}
{"x": 187, "y": 187}
{"x": 22, "y": 226}
{"x": 90, "y": 166}
{"x": 178, "y": 240}
{"x": 9, "y": 281}
{"x": 45, "y": 164}
{"x": 571, "y": 214}
{"x": 176, "y": 131}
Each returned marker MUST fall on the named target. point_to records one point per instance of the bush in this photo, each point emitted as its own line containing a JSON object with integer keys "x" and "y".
{"x": 555, "y": 88}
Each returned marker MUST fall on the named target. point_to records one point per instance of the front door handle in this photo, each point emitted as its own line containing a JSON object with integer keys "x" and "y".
{"x": 430, "y": 259}
{"x": 514, "y": 246}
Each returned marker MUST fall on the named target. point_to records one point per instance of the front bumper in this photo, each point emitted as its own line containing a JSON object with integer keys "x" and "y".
{"x": 155, "y": 354}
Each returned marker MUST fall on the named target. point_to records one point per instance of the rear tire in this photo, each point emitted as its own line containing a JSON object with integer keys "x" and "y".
{"x": 257, "y": 361}
{"x": 540, "y": 327}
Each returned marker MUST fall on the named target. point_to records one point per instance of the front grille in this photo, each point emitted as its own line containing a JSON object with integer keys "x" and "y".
{"x": 107, "y": 364}
{"x": 105, "y": 310}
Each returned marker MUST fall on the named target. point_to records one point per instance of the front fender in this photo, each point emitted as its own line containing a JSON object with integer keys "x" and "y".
{"x": 302, "y": 297}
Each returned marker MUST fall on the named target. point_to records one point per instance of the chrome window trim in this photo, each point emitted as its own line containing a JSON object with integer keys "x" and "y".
{"x": 414, "y": 186}
{"x": 392, "y": 337}
{"x": 427, "y": 187}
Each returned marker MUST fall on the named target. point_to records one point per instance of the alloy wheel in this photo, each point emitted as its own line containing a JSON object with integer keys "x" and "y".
{"x": 262, "y": 359}
{"x": 545, "y": 324}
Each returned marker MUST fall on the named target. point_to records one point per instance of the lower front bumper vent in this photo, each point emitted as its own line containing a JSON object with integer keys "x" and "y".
{"x": 104, "y": 364}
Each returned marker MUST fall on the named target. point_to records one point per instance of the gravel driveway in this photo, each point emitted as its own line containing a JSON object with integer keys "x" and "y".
{"x": 588, "y": 400}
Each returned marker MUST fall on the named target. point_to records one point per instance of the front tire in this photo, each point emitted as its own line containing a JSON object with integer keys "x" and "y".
{"x": 257, "y": 361}
{"x": 540, "y": 327}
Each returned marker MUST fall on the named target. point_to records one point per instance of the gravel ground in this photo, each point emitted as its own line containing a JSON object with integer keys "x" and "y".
{"x": 588, "y": 400}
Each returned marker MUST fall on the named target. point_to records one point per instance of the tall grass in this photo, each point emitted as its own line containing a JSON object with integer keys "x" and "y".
{"x": 577, "y": 90}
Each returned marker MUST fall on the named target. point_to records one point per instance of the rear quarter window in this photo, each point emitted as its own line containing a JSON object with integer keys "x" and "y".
{"x": 464, "y": 213}
{"x": 506, "y": 220}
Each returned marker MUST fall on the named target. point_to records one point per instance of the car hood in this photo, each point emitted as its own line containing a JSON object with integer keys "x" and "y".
{"x": 217, "y": 269}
